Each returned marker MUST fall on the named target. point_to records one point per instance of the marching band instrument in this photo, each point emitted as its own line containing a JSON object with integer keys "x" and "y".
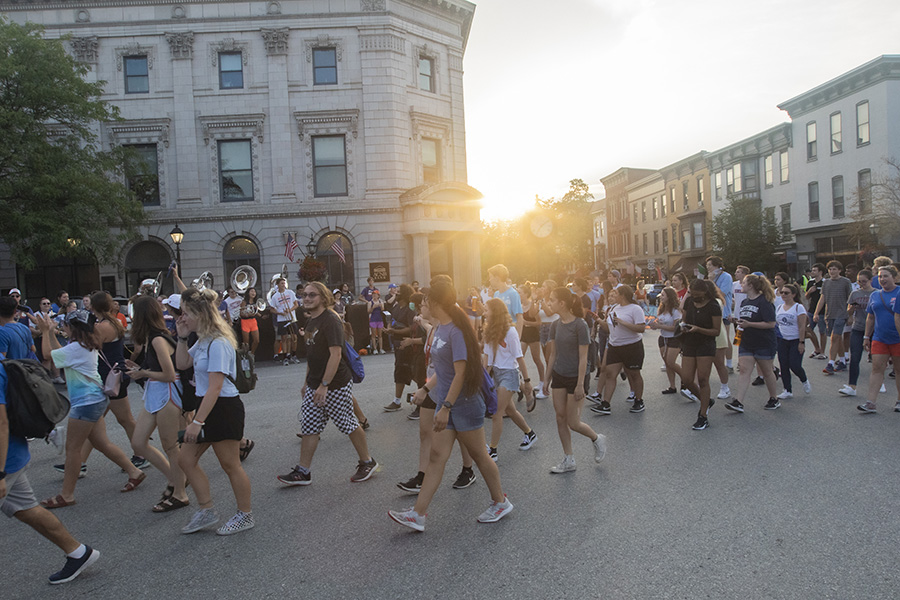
{"x": 243, "y": 278}
{"x": 151, "y": 287}
{"x": 205, "y": 281}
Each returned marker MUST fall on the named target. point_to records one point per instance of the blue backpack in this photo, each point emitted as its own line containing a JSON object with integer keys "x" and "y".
{"x": 489, "y": 392}
{"x": 351, "y": 356}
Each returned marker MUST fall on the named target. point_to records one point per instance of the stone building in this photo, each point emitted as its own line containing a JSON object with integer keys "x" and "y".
{"x": 644, "y": 209}
{"x": 338, "y": 122}
{"x": 619, "y": 245}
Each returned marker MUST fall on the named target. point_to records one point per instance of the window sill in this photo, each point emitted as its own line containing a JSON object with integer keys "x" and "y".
{"x": 863, "y": 145}
{"x": 813, "y": 159}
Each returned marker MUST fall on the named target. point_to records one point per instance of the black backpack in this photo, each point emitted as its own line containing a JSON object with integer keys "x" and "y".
{"x": 246, "y": 372}
{"x": 33, "y": 406}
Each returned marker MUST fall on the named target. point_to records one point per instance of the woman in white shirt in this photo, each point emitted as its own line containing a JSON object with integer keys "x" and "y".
{"x": 667, "y": 318}
{"x": 503, "y": 358}
{"x": 791, "y": 319}
{"x": 626, "y": 327}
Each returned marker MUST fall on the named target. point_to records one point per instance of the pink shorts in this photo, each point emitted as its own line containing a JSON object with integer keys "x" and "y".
{"x": 376, "y": 324}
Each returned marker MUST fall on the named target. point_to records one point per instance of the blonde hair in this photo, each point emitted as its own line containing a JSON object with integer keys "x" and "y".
{"x": 497, "y": 322}
{"x": 761, "y": 285}
{"x": 210, "y": 324}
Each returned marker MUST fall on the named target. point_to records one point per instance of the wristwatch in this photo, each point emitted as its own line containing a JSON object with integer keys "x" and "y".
{"x": 2, "y": 475}
{"x": 326, "y": 383}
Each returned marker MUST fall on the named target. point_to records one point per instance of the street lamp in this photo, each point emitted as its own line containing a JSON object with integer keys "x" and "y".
{"x": 311, "y": 247}
{"x": 873, "y": 229}
{"x": 177, "y": 236}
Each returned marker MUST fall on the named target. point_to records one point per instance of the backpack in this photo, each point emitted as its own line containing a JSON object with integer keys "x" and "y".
{"x": 246, "y": 378}
{"x": 351, "y": 357}
{"x": 33, "y": 406}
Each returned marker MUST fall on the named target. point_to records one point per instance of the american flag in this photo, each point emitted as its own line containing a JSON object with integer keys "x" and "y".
{"x": 290, "y": 247}
{"x": 339, "y": 251}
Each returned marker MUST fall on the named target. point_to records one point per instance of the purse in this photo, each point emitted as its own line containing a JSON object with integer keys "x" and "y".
{"x": 113, "y": 382}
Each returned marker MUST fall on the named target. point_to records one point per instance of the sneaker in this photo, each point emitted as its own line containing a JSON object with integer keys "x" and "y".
{"x": 62, "y": 469}
{"x": 807, "y": 388}
{"x": 203, "y": 518}
{"x": 724, "y": 393}
{"x": 496, "y": 511}
{"x": 408, "y": 518}
{"x": 847, "y": 391}
{"x": 239, "y": 522}
{"x": 465, "y": 479}
{"x": 663, "y": 368}
{"x": 286, "y": 362}
{"x": 364, "y": 470}
{"x": 701, "y": 424}
{"x": 669, "y": 391}
{"x": 777, "y": 373}
{"x": 601, "y": 409}
{"x": 820, "y": 356}
{"x": 57, "y": 437}
{"x": 414, "y": 415}
{"x": 528, "y": 440}
{"x": 731, "y": 370}
{"x": 623, "y": 376}
{"x": 785, "y": 395}
{"x": 758, "y": 381}
{"x": 567, "y": 464}
{"x": 883, "y": 389}
{"x": 539, "y": 393}
{"x": 140, "y": 462}
{"x": 74, "y": 566}
{"x": 392, "y": 407}
{"x": 689, "y": 395}
{"x": 637, "y": 407}
{"x": 829, "y": 369}
{"x": 595, "y": 397}
{"x": 840, "y": 366}
{"x": 413, "y": 486}
{"x": 630, "y": 397}
{"x": 294, "y": 361}
{"x": 599, "y": 448}
{"x": 735, "y": 406}
{"x": 897, "y": 406}
{"x": 892, "y": 375}
{"x": 58, "y": 380}
{"x": 296, "y": 477}
{"x": 867, "y": 408}
{"x": 712, "y": 402}
{"x": 772, "y": 404}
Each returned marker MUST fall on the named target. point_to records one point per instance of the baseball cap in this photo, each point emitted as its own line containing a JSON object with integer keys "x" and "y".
{"x": 392, "y": 286}
{"x": 174, "y": 301}
{"x": 81, "y": 318}
{"x": 616, "y": 272}
{"x": 15, "y": 291}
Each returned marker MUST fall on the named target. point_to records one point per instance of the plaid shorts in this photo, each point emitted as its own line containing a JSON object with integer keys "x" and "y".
{"x": 338, "y": 407}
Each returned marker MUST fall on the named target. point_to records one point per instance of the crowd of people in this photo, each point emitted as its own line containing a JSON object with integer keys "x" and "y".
{"x": 464, "y": 355}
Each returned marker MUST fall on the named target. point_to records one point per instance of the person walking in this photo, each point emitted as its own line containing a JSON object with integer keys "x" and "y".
{"x": 701, "y": 325}
{"x": 856, "y": 309}
{"x": 250, "y": 320}
{"x": 531, "y": 327}
{"x": 882, "y": 338}
{"x": 625, "y": 325}
{"x": 667, "y": 318}
{"x": 833, "y": 303}
{"x": 791, "y": 319}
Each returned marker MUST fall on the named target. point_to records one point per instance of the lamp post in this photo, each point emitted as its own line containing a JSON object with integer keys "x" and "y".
{"x": 311, "y": 247}
{"x": 873, "y": 229}
{"x": 177, "y": 236}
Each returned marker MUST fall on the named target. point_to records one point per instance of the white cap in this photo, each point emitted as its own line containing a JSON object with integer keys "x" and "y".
{"x": 174, "y": 301}
{"x": 15, "y": 291}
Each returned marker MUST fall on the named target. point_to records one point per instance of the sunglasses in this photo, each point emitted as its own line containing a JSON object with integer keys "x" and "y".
{"x": 309, "y": 295}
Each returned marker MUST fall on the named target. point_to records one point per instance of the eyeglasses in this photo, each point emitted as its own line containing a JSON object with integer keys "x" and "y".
{"x": 309, "y": 295}
{"x": 45, "y": 303}
{"x": 786, "y": 293}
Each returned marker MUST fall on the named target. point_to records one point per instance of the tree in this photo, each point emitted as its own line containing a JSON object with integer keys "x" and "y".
{"x": 875, "y": 202}
{"x": 744, "y": 234}
{"x": 59, "y": 192}
{"x": 572, "y": 234}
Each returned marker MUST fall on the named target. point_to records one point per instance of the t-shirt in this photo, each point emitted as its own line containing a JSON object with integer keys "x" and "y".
{"x": 82, "y": 378}
{"x": 233, "y": 307}
{"x": 595, "y": 294}
{"x": 668, "y": 319}
{"x": 859, "y": 299}
{"x": 321, "y": 334}
{"x": 813, "y": 298}
{"x": 629, "y": 313}
{"x": 377, "y": 314}
{"x": 836, "y": 293}
{"x": 586, "y": 306}
{"x": 725, "y": 283}
{"x": 448, "y": 347}
{"x": 368, "y": 292}
{"x": 882, "y": 305}
{"x": 758, "y": 310}
{"x": 214, "y": 355}
{"x": 123, "y": 320}
{"x": 17, "y": 455}
{"x": 512, "y": 300}
{"x": 567, "y": 338}
{"x": 15, "y": 341}
{"x": 506, "y": 353}
{"x": 283, "y": 302}
{"x": 702, "y": 317}
{"x": 402, "y": 318}
{"x": 787, "y": 321}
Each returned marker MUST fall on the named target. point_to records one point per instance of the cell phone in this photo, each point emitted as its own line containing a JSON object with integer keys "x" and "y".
{"x": 200, "y": 438}
{"x": 409, "y": 398}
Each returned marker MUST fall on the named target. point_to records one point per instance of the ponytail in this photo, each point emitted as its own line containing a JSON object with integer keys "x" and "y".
{"x": 572, "y": 302}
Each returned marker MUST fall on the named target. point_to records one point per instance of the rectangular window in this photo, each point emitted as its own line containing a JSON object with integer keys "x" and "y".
{"x": 700, "y": 196}
{"x": 837, "y": 197}
{"x": 655, "y": 242}
{"x": 329, "y": 166}
{"x": 719, "y": 185}
{"x": 672, "y": 200}
{"x": 686, "y": 238}
{"x": 646, "y": 249}
{"x": 785, "y": 169}
{"x": 143, "y": 177}
{"x": 426, "y": 74}
{"x": 634, "y": 212}
{"x": 684, "y": 195}
{"x": 665, "y": 240}
{"x": 836, "y": 133}
{"x": 749, "y": 180}
{"x": 698, "y": 235}
{"x": 769, "y": 214}
{"x": 786, "y": 220}
{"x": 137, "y": 78}
{"x": 862, "y": 123}
{"x": 811, "y": 149}
{"x": 235, "y": 170}
{"x": 674, "y": 238}
{"x": 643, "y": 211}
{"x": 662, "y": 205}
{"x": 864, "y": 190}
{"x": 770, "y": 173}
{"x": 431, "y": 160}
{"x": 231, "y": 71}
{"x": 636, "y": 243}
{"x": 324, "y": 66}
{"x": 813, "y": 194}
{"x": 655, "y": 208}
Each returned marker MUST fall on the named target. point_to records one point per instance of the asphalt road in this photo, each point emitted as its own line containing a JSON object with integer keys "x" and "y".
{"x": 801, "y": 502}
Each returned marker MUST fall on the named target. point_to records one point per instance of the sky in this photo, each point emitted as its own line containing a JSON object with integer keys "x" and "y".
{"x": 563, "y": 89}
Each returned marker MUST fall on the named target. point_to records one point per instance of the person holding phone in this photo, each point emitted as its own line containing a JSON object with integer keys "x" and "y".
{"x": 701, "y": 324}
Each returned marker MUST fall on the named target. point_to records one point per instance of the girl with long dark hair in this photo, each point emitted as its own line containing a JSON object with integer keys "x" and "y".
{"x": 702, "y": 324}
{"x": 625, "y": 324}
{"x": 667, "y": 318}
{"x": 249, "y": 320}
{"x": 791, "y": 319}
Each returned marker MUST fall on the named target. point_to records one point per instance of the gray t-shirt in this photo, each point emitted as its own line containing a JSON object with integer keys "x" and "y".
{"x": 836, "y": 293}
{"x": 567, "y": 338}
{"x": 860, "y": 300}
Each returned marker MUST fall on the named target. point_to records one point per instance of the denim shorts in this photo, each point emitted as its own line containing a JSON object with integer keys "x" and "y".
{"x": 812, "y": 325}
{"x": 508, "y": 378}
{"x": 835, "y": 326}
{"x": 89, "y": 412}
{"x": 467, "y": 414}
{"x": 756, "y": 354}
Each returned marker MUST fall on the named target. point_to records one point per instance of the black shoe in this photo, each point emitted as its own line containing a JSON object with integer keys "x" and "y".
{"x": 413, "y": 486}
{"x": 623, "y": 376}
{"x": 758, "y": 381}
{"x": 140, "y": 462}
{"x": 735, "y": 406}
{"x": 62, "y": 469}
{"x": 637, "y": 407}
{"x": 772, "y": 404}
{"x": 670, "y": 391}
{"x": 74, "y": 566}
{"x": 465, "y": 479}
{"x": 414, "y": 415}
{"x": 712, "y": 402}
{"x": 601, "y": 409}
{"x": 777, "y": 373}
{"x": 492, "y": 452}
{"x": 892, "y": 375}
{"x": 295, "y": 477}
{"x": 702, "y": 423}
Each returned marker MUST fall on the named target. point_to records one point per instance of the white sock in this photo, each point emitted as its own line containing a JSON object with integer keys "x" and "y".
{"x": 727, "y": 363}
{"x": 831, "y": 362}
{"x": 396, "y": 400}
{"x": 77, "y": 552}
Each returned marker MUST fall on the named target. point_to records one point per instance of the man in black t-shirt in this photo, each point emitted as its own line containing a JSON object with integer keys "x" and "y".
{"x": 813, "y": 293}
{"x": 402, "y": 317}
{"x": 328, "y": 390}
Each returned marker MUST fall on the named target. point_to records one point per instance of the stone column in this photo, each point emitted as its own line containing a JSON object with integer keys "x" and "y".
{"x": 186, "y": 160}
{"x": 421, "y": 259}
{"x": 276, "y": 43}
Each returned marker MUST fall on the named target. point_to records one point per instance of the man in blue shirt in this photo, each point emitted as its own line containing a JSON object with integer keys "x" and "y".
{"x": 498, "y": 276}
{"x": 15, "y": 338}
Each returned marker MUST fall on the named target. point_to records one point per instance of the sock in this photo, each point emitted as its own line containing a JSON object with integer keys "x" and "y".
{"x": 727, "y": 363}
{"x": 303, "y": 469}
{"x": 396, "y": 400}
{"x": 77, "y": 552}
{"x": 570, "y": 457}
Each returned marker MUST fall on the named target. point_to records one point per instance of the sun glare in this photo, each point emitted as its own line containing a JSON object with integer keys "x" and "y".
{"x": 497, "y": 208}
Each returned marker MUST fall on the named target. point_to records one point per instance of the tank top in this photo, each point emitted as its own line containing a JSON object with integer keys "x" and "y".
{"x": 114, "y": 352}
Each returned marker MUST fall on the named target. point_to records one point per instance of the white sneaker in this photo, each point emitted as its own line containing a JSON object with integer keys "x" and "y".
{"x": 883, "y": 389}
{"x": 807, "y": 388}
{"x": 599, "y": 447}
{"x": 663, "y": 368}
{"x": 689, "y": 395}
{"x": 57, "y": 437}
{"x": 847, "y": 391}
{"x": 408, "y": 518}
{"x": 724, "y": 393}
{"x": 785, "y": 395}
{"x": 630, "y": 396}
{"x": 567, "y": 464}
{"x": 539, "y": 393}
{"x": 496, "y": 511}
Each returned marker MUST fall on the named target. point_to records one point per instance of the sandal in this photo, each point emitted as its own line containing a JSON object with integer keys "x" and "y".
{"x": 133, "y": 482}
{"x": 169, "y": 504}
{"x": 58, "y": 502}
{"x": 364, "y": 424}
{"x": 245, "y": 450}
{"x": 170, "y": 490}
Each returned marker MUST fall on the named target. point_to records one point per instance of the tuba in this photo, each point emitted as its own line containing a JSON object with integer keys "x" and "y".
{"x": 243, "y": 278}
{"x": 151, "y": 287}
{"x": 205, "y": 281}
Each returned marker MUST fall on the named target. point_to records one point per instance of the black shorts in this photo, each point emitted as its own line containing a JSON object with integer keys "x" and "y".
{"x": 429, "y": 403}
{"x": 558, "y": 382}
{"x": 284, "y": 328}
{"x": 226, "y": 421}
{"x": 631, "y": 356}
{"x": 403, "y": 368}
{"x": 669, "y": 342}
{"x": 707, "y": 348}
{"x": 531, "y": 335}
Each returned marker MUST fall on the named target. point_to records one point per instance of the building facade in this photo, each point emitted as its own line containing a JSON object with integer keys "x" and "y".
{"x": 644, "y": 208}
{"x": 340, "y": 124}
{"x": 688, "y": 215}
{"x": 617, "y": 217}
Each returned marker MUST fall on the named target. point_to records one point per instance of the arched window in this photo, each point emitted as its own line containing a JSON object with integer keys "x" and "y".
{"x": 241, "y": 251}
{"x": 144, "y": 261}
{"x": 339, "y": 268}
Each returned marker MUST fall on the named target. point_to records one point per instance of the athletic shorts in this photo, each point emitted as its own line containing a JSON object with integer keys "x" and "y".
{"x": 284, "y": 328}
{"x": 835, "y": 326}
{"x": 707, "y": 348}
{"x": 669, "y": 342}
{"x": 508, "y": 378}
{"x": 560, "y": 382}
{"x": 376, "y": 324}
{"x": 19, "y": 495}
{"x": 248, "y": 325}
{"x": 812, "y": 325}
{"x": 631, "y": 356}
{"x": 226, "y": 421}
{"x": 759, "y": 354}
{"x": 90, "y": 413}
{"x": 882, "y": 348}
{"x": 530, "y": 335}
{"x": 338, "y": 407}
